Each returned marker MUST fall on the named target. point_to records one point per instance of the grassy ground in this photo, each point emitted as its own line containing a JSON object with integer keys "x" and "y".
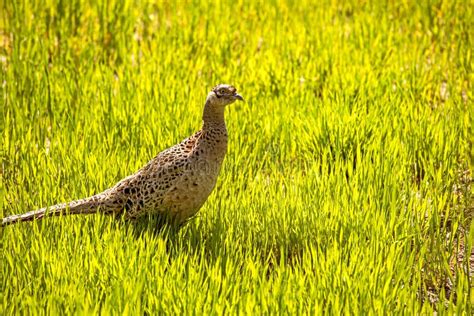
{"x": 346, "y": 187}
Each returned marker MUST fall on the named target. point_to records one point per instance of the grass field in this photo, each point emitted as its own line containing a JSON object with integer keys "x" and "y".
{"x": 347, "y": 184}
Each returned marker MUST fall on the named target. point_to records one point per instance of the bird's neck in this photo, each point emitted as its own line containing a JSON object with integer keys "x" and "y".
{"x": 213, "y": 117}
{"x": 214, "y": 132}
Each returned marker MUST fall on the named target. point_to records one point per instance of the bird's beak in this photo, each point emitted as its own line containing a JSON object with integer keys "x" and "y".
{"x": 238, "y": 97}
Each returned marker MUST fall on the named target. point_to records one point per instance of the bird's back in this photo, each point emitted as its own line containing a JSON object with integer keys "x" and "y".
{"x": 177, "y": 181}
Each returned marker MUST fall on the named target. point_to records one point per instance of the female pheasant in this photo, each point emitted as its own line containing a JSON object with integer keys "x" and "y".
{"x": 175, "y": 183}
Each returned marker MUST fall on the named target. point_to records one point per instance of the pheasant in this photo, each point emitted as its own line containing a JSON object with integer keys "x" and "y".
{"x": 175, "y": 183}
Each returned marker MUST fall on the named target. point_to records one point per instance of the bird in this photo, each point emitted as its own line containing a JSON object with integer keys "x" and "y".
{"x": 175, "y": 183}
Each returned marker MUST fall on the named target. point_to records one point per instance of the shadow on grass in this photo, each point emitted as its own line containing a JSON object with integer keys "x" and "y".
{"x": 156, "y": 225}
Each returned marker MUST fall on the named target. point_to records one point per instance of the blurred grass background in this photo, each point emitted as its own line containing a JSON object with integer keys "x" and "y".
{"x": 347, "y": 184}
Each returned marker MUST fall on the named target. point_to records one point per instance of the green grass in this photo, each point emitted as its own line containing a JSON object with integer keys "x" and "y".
{"x": 346, "y": 188}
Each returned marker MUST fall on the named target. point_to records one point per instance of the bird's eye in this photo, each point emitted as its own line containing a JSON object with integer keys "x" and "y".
{"x": 221, "y": 91}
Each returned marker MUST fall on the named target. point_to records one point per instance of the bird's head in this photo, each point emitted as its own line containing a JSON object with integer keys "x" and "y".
{"x": 223, "y": 94}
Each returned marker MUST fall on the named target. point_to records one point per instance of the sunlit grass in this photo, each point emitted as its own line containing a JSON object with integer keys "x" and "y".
{"x": 346, "y": 187}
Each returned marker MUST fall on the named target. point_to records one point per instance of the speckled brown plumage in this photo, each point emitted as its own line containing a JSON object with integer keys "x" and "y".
{"x": 175, "y": 183}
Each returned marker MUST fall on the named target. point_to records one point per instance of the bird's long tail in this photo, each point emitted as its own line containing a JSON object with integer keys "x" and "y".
{"x": 84, "y": 206}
